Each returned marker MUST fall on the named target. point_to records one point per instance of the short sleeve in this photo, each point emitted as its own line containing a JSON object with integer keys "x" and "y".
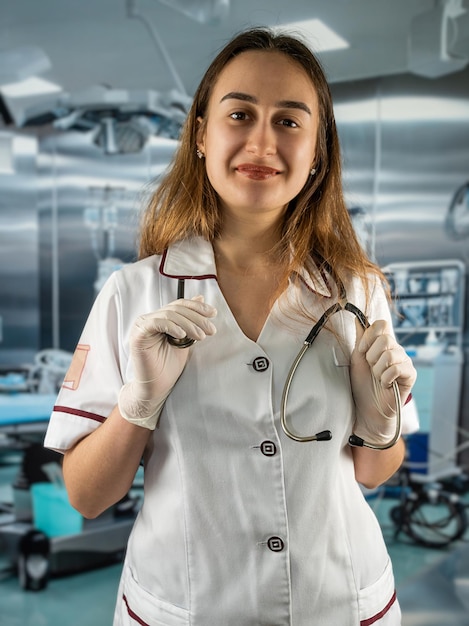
{"x": 91, "y": 386}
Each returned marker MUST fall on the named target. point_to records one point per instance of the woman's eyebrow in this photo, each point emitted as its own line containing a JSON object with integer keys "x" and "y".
{"x": 238, "y": 95}
{"x": 293, "y": 104}
{"x": 287, "y": 104}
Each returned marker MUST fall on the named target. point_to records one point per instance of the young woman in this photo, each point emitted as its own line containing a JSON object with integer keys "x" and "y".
{"x": 241, "y": 524}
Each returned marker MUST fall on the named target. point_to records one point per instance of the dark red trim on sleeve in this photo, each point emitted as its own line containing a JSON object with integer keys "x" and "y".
{"x": 375, "y": 618}
{"x": 409, "y": 398}
{"x": 85, "y": 414}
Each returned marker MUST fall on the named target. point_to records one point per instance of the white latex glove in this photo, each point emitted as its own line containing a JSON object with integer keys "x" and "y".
{"x": 377, "y": 352}
{"x": 157, "y": 364}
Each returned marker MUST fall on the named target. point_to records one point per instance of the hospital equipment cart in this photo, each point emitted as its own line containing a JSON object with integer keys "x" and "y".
{"x": 428, "y": 317}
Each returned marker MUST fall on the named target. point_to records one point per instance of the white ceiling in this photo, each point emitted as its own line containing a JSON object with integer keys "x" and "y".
{"x": 94, "y": 42}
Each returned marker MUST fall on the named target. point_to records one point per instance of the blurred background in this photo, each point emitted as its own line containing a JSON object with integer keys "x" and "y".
{"x": 92, "y": 98}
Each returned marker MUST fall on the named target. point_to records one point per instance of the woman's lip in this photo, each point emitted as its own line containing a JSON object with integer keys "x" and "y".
{"x": 257, "y": 171}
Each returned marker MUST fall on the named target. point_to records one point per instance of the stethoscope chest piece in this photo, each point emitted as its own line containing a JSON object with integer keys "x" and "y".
{"x": 185, "y": 342}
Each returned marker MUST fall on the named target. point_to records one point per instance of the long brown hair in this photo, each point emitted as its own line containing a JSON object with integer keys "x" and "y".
{"x": 316, "y": 222}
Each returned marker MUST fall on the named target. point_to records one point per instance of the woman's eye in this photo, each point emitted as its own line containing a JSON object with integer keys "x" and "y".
{"x": 289, "y": 123}
{"x": 238, "y": 115}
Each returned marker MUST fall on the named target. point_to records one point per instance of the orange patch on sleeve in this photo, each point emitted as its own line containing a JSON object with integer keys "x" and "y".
{"x": 75, "y": 371}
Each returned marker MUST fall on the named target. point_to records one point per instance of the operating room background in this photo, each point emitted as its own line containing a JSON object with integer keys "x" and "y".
{"x": 68, "y": 208}
{"x": 71, "y": 193}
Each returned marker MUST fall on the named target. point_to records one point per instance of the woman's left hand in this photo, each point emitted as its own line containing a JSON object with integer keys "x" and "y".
{"x": 377, "y": 352}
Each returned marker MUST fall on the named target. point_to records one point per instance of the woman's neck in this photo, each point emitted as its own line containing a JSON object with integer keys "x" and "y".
{"x": 250, "y": 274}
{"x": 247, "y": 247}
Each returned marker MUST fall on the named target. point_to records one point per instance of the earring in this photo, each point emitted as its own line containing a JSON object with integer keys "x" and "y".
{"x": 200, "y": 154}
{"x": 312, "y": 171}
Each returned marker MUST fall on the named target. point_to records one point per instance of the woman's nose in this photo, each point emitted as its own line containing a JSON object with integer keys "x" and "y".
{"x": 262, "y": 140}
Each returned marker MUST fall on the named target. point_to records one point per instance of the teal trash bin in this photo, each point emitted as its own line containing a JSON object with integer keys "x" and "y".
{"x": 52, "y": 512}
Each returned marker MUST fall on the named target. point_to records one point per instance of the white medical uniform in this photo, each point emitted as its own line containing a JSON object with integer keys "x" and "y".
{"x": 240, "y": 525}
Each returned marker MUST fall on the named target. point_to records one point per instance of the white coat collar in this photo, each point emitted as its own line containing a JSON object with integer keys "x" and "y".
{"x": 189, "y": 258}
{"x": 194, "y": 258}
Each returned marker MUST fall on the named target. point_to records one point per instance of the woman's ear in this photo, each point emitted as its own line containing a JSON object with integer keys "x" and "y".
{"x": 200, "y": 136}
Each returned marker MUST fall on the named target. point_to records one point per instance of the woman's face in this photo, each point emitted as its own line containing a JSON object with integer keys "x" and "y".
{"x": 259, "y": 139}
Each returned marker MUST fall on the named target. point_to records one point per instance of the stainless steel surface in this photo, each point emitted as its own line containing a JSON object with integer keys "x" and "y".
{"x": 19, "y": 294}
{"x": 405, "y": 143}
{"x": 81, "y": 190}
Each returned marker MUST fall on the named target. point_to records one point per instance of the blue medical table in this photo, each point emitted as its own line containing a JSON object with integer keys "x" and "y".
{"x": 24, "y": 413}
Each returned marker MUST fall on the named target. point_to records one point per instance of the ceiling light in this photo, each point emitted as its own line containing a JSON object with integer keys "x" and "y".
{"x": 402, "y": 109}
{"x": 321, "y": 37}
{"x": 33, "y": 86}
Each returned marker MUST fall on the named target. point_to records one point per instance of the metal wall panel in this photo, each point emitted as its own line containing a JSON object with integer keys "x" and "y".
{"x": 79, "y": 183}
{"x": 405, "y": 143}
{"x": 19, "y": 294}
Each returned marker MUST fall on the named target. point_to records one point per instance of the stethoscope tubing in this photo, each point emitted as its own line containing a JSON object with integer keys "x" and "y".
{"x": 185, "y": 342}
{"x": 326, "y": 435}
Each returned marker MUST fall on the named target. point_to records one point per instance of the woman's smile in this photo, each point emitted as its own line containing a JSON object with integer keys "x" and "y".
{"x": 257, "y": 172}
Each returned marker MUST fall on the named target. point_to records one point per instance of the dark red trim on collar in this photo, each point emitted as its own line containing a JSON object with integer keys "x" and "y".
{"x": 80, "y": 413}
{"x": 326, "y": 280}
{"x": 189, "y": 277}
{"x": 312, "y": 289}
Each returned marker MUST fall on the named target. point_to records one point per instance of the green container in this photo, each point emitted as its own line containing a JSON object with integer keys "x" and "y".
{"x": 52, "y": 511}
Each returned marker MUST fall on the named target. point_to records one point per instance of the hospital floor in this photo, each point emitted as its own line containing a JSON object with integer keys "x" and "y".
{"x": 432, "y": 584}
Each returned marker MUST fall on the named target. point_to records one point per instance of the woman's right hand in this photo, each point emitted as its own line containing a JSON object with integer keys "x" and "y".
{"x": 157, "y": 364}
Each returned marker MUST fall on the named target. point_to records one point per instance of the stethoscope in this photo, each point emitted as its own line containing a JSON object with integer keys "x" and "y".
{"x": 325, "y": 435}
{"x": 185, "y": 342}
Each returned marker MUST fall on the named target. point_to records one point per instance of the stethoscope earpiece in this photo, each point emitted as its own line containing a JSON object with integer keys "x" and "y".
{"x": 324, "y": 435}
{"x": 356, "y": 441}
